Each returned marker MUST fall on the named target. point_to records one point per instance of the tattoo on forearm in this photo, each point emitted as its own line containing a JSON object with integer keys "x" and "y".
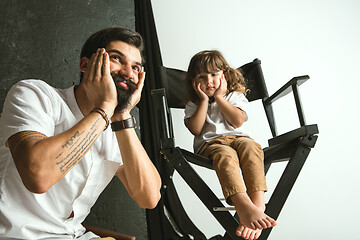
{"x": 76, "y": 147}
{"x": 73, "y": 150}
{"x": 70, "y": 141}
{"x": 19, "y": 141}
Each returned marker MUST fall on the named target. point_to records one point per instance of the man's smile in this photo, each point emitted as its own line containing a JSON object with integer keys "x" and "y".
{"x": 123, "y": 84}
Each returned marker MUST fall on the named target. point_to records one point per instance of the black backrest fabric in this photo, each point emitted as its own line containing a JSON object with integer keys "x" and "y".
{"x": 173, "y": 81}
{"x": 255, "y": 81}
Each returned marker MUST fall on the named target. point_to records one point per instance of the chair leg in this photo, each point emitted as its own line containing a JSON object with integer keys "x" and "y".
{"x": 276, "y": 202}
{"x": 201, "y": 189}
{"x": 287, "y": 180}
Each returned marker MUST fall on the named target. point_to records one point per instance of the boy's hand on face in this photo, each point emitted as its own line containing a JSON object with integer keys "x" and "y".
{"x": 199, "y": 92}
{"x": 98, "y": 83}
{"x": 220, "y": 92}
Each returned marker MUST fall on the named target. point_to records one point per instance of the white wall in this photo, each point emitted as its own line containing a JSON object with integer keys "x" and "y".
{"x": 319, "y": 38}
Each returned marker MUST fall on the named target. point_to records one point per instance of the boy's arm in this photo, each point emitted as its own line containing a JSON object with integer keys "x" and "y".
{"x": 234, "y": 115}
{"x": 196, "y": 122}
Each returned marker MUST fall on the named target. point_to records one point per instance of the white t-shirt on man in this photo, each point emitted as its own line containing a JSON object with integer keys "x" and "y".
{"x": 33, "y": 105}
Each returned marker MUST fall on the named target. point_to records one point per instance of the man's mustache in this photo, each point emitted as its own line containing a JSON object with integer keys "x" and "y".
{"x": 121, "y": 78}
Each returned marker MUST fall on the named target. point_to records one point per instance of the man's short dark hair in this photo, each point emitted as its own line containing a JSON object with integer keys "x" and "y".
{"x": 103, "y": 37}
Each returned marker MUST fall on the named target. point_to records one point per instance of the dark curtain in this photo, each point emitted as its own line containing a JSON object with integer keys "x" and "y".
{"x": 145, "y": 25}
{"x": 169, "y": 219}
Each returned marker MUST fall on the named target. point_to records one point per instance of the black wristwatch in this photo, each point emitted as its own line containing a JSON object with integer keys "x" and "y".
{"x": 123, "y": 124}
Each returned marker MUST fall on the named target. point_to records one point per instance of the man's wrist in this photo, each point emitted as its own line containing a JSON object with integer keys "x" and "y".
{"x": 123, "y": 124}
{"x": 108, "y": 108}
{"x": 119, "y": 116}
{"x": 103, "y": 114}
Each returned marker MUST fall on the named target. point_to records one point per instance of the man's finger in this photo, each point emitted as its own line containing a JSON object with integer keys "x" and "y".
{"x": 99, "y": 64}
{"x": 106, "y": 64}
{"x": 89, "y": 73}
{"x": 140, "y": 84}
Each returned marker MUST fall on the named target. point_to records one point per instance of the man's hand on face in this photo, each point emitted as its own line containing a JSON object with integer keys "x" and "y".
{"x": 135, "y": 97}
{"x": 98, "y": 83}
{"x": 123, "y": 112}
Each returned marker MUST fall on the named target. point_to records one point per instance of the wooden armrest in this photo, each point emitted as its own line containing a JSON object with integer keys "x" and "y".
{"x": 107, "y": 233}
{"x": 291, "y": 86}
{"x": 289, "y": 136}
{"x": 286, "y": 89}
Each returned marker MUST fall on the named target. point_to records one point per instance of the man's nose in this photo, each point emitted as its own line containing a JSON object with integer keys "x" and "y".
{"x": 126, "y": 71}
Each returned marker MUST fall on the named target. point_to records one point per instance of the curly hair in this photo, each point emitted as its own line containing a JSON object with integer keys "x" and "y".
{"x": 210, "y": 61}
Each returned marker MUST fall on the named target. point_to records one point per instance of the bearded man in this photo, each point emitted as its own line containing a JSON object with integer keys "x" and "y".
{"x": 57, "y": 151}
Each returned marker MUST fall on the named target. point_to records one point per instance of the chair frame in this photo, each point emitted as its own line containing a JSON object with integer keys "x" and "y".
{"x": 293, "y": 147}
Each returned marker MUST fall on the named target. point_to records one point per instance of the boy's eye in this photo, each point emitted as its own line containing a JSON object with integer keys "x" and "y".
{"x": 214, "y": 74}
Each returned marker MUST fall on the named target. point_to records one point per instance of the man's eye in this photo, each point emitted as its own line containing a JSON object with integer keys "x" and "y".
{"x": 116, "y": 58}
{"x": 136, "y": 68}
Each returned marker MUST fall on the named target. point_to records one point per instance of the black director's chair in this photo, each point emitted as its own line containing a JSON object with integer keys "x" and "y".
{"x": 292, "y": 147}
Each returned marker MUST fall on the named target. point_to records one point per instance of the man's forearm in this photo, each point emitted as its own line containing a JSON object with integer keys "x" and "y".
{"x": 42, "y": 161}
{"x": 138, "y": 173}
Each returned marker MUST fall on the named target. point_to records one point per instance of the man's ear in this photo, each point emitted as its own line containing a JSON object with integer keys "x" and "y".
{"x": 83, "y": 64}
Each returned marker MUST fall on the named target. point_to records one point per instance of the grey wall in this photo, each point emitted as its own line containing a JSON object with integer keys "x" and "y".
{"x": 42, "y": 39}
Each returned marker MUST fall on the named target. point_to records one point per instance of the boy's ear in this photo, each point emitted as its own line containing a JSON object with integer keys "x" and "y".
{"x": 83, "y": 64}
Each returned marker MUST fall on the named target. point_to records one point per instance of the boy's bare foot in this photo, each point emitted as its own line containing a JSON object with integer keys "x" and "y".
{"x": 250, "y": 215}
{"x": 248, "y": 233}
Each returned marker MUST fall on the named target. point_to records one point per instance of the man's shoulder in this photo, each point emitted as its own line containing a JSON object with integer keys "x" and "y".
{"x": 31, "y": 90}
{"x": 32, "y": 83}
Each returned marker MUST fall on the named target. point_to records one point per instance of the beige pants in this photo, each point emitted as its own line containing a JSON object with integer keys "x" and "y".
{"x": 232, "y": 153}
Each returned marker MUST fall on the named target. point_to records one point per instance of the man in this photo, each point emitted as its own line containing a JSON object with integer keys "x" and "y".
{"x": 57, "y": 153}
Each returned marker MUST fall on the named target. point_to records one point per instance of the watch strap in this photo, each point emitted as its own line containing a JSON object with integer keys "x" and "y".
{"x": 123, "y": 124}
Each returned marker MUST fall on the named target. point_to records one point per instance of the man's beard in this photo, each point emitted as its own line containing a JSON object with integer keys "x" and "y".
{"x": 123, "y": 94}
